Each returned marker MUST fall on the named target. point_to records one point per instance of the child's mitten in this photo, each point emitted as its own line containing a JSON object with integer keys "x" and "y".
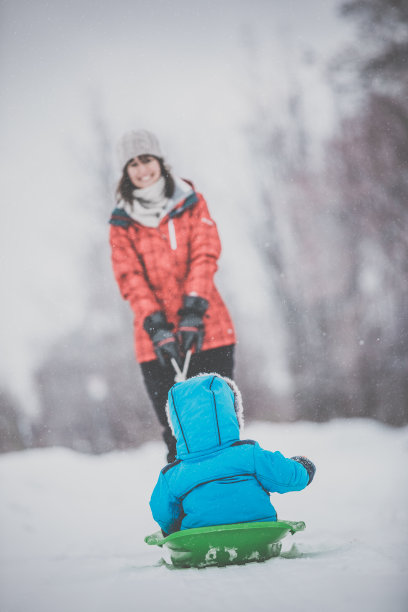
{"x": 309, "y": 465}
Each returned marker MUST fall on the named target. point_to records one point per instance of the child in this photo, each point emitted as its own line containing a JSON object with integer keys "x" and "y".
{"x": 217, "y": 478}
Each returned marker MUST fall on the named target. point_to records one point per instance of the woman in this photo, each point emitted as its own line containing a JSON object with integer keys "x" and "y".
{"x": 165, "y": 248}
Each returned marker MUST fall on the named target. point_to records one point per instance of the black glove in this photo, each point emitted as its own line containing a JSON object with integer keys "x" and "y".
{"x": 191, "y": 326}
{"x": 164, "y": 341}
{"x": 309, "y": 465}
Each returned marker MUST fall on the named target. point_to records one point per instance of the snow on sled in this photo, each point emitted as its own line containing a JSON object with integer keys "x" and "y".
{"x": 222, "y": 545}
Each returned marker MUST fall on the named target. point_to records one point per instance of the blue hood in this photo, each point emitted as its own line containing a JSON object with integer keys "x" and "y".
{"x": 203, "y": 412}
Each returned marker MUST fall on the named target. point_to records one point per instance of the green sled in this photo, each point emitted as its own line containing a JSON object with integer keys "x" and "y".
{"x": 222, "y": 545}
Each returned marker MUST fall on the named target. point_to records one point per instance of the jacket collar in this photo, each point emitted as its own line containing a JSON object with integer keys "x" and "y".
{"x": 184, "y": 197}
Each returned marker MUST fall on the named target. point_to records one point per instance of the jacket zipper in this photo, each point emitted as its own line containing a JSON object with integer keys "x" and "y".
{"x": 172, "y": 235}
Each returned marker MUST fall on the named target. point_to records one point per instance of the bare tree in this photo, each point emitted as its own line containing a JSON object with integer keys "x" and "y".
{"x": 335, "y": 240}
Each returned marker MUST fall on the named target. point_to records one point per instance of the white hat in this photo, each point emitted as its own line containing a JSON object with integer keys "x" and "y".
{"x": 135, "y": 143}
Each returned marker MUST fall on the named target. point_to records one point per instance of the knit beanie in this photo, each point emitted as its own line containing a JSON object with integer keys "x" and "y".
{"x": 136, "y": 143}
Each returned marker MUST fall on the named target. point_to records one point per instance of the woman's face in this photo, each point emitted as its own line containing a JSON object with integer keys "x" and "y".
{"x": 143, "y": 171}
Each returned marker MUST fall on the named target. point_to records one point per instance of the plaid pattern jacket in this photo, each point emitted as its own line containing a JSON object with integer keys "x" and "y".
{"x": 156, "y": 267}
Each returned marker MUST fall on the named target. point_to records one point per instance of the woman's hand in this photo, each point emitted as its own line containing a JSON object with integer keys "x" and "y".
{"x": 164, "y": 341}
{"x": 191, "y": 327}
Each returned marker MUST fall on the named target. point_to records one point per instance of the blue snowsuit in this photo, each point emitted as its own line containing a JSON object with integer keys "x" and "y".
{"x": 217, "y": 478}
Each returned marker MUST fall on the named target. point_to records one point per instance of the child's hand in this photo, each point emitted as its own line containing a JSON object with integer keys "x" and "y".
{"x": 309, "y": 465}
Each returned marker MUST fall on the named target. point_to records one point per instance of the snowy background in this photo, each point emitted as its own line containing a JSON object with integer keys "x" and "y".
{"x": 181, "y": 69}
{"x": 300, "y": 149}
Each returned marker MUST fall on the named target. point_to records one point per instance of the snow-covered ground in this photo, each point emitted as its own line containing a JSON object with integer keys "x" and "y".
{"x": 72, "y": 529}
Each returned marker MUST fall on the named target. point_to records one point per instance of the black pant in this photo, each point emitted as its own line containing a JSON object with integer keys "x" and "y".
{"x": 159, "y": 380}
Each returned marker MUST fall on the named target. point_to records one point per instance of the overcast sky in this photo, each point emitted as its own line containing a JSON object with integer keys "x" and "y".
{"x": 180, "y": 68}
{"x": 163, "y": 59}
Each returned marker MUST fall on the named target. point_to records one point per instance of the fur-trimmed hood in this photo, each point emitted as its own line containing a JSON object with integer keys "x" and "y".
{"x": 205, "y": 413}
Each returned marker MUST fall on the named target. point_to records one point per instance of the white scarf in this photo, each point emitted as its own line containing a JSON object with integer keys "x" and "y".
{"x": 149, "y": 204}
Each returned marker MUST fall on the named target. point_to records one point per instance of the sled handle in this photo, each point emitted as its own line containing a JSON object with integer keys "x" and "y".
{"x": 186, "y": 363}
{"x": 175, "y": 365}
{"x": 155, "y": 539}
{"x": 181, "y": 375}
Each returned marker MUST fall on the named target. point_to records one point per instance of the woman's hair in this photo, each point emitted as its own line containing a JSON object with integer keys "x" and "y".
{"x": 125, "y": 188}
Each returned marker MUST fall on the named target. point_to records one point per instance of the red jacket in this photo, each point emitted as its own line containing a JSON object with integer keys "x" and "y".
{"x": 156, "y": 266}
